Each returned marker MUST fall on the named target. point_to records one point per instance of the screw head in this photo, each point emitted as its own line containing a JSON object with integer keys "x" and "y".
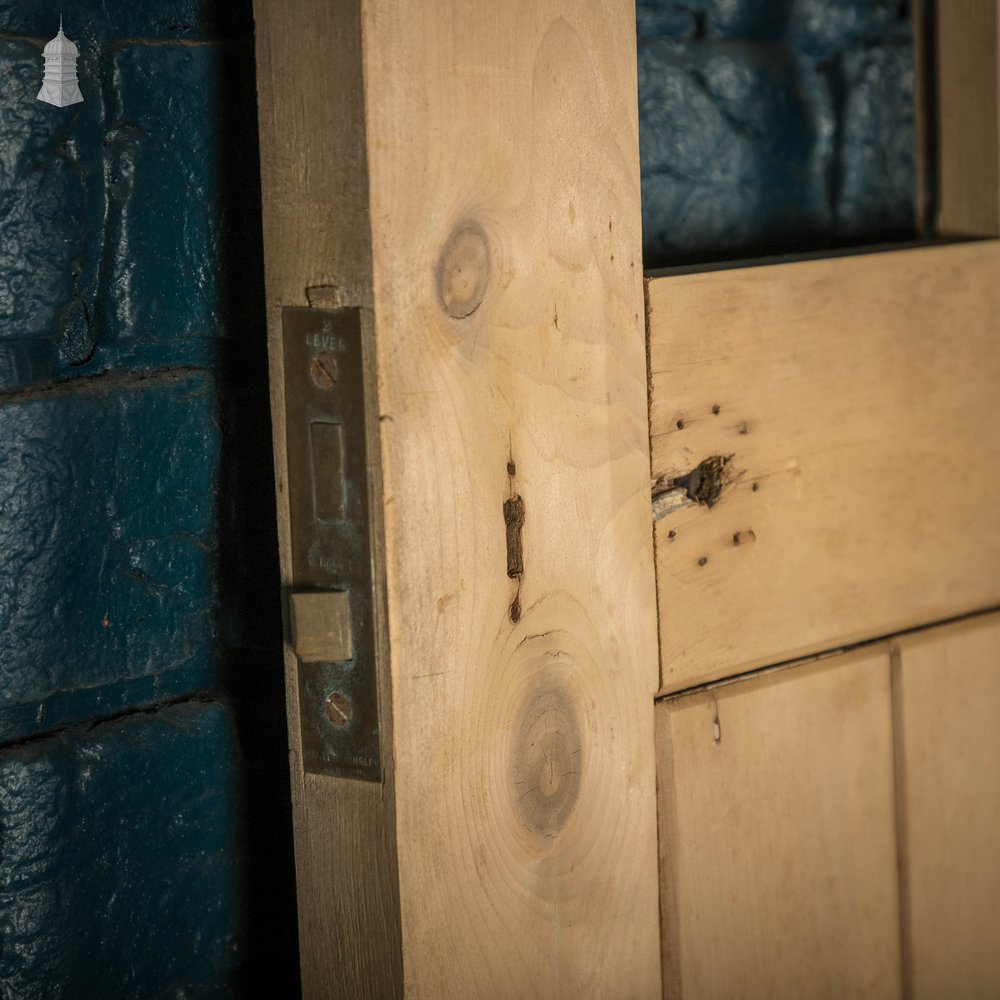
{"x": 338, "y": 709}
{"x": 323, "y": 370}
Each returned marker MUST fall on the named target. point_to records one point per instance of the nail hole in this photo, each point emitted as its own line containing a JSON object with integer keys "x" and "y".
{"x": 671, "y": 535}
{"x": 716, "y": 409}
{"x": 703, "y": 560}
{"x": 680, "y": 425}
{"x": 743, "y": 428}
{"x": 755, "y": 487}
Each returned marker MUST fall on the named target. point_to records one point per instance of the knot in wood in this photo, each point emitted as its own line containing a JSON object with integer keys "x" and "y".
{"x": 548, "y": 760}
{"x": 463, "y": 271}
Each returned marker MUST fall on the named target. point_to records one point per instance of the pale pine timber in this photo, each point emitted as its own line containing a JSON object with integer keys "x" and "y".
{"x": 968, "y": 117}
{"x": 778, "y": 852}
{"x": 518, "y": 815}
{"x": 947, "y": 706}
{"x": 505, "y": 217}
{"x": 317, "y": 252}
{"x": 856, "y": 397}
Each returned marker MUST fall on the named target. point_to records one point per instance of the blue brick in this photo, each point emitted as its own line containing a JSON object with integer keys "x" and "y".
{"x": 794, "y": 133}
{"x": 24, "y": 362}
{"x": 814, "y": 27}
{"x": 51, "y": 173}
{"x": 121, "y": 214}
{"x": 106, "y": 535}
{"x": 743, "y": 19}
{"x": 877, "y": 170}
{"x": 120, "y": 859}
{"x": 656, "y": 19}
{"x": 747, "y": 19}
{"x": 47, "y": 192}
{"x": 735, "y": 140}
{"x": 164, "y": 199}
{"x": 107, "y": 19}
{"x": 821, "y": 28}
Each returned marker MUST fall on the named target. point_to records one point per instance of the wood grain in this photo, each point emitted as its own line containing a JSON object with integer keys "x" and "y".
{"x": 778, "y": 835}
{"x": 968, "y": 117}
{"x": 505, "y": 218}
{"x": 948, "y": 703}
{"x": 492, "y": 187}
{"x": 317, "y": 252}
{"x": 855, "y": 401}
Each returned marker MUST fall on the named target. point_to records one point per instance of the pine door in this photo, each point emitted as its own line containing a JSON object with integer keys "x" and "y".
{"x": 569, "y": 551}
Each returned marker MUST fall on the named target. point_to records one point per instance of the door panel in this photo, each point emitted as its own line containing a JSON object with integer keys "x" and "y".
{"x": 777, "y": 835}
{"x": 948, "y": 704}
{"x": 830, "y": 828}
{"x": 848, "y": 406}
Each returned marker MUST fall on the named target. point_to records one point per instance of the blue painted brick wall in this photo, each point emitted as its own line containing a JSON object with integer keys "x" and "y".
{"x": 144, "y": 807}
{"x": 773, "y": 126}
{"x": 107, "y": 529}
{"x": 121, "y": 878}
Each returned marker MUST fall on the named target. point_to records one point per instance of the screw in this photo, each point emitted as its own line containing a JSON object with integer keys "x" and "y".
{"x": 338, "y": 709}
{"x": 323, "y": 370}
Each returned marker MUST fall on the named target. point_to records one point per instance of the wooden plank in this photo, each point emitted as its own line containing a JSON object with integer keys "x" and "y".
{"x": 968, "y": 119}
{"x": 505, "y": 215}
{"x": 317, "y": 252}
{"x": 948, "y": 705}
{"x": 778, "y": 831}
{"x": 517, "y": 821}
{"x": 856, "y": 398}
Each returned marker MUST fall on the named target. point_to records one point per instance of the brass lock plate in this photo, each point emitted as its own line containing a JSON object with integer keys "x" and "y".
{"x": 332, "y": 600}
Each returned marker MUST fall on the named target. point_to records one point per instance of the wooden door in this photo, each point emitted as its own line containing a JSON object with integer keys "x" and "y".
{"x": 515, "y": 771}
{"x": 465, "y": 177}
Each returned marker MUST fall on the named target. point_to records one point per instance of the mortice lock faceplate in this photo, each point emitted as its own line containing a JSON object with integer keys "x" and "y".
{"x": 332, "y": 599}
